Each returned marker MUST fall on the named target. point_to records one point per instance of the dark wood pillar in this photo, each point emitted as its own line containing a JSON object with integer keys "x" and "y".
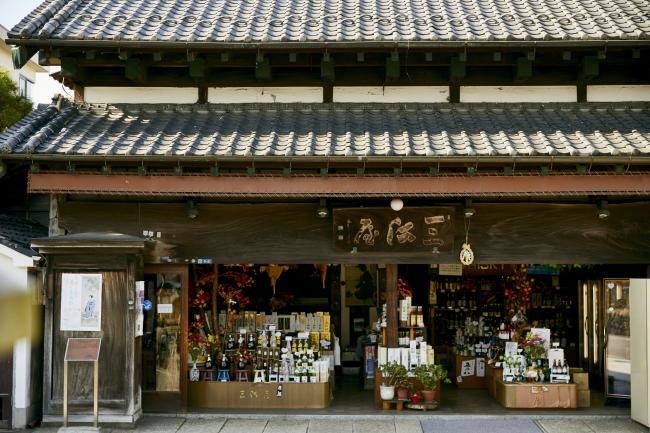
{"x": 391, "y": 306}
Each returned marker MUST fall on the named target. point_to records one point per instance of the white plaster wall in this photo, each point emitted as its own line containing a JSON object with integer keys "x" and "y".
{"x": 518, "y": 94}
{"x": 388, "y": 94}
{"x": 243, "y": 95}
{"x": 618, "y": 93}
{"x": 141, "y": 95}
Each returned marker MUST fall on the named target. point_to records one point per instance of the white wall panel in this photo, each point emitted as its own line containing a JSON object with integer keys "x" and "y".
{"x": 388, "y": 94}
{"x": 141, "y": 95}
{"x": 518, "y": 94}
{"x": 242, "y": 95}
{"x": 618, "y": 93}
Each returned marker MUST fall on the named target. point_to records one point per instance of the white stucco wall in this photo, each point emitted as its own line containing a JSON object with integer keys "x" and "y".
{"x": 242, "y": 95}
{"x": 141, "y": 95}
{"x": 618, "y": 93}
{"x": 518, "y": 94}
{"x": 388, "y": 94}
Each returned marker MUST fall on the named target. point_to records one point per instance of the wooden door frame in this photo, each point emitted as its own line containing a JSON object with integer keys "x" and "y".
{"x": 183, "y": 270}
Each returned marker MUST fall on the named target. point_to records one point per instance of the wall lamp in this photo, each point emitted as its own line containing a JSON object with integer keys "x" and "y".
{"x": 191, "y": 211}
{"x": 322, "y": 211}
{"x": 603, "y": 211}
{"x": 396, "y": 204}
{"x": 469, "y": 211}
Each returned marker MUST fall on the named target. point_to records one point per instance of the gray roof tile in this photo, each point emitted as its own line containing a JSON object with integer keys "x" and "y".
{"x": 17, "y": 233}
{"x": 323, "y": 130}
{"x": 336, "y": 20}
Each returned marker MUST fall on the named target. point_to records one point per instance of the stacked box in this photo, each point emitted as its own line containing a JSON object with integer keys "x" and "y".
{"x": 582, "y": 382}
{"x": 326, "y": 322}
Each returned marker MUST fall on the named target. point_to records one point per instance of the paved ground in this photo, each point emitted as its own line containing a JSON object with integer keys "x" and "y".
{"x": 379, "y": 424}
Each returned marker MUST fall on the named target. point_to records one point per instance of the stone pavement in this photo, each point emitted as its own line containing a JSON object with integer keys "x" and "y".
{"x": 200, "y": 423}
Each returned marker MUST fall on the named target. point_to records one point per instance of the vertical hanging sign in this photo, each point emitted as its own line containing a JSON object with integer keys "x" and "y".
{"x": 81, "y": 302}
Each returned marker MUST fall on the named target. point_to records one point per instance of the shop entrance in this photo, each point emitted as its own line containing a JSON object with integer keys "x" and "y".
{"x": 164, "y": 352}
{"x": 464, "y": 314}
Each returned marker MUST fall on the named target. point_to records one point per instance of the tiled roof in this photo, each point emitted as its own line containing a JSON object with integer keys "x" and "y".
{"x": 326, "y": 130}
{"x": 17, "y": 233}
{"x": 337, "y": 20}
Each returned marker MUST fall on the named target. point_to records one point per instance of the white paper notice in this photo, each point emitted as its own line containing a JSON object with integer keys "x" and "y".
{"x": 139, "y": 312}
{"x": 81, "y": 302}
{"x": 480, "y": 367}
{"x": 165, "y": 308}
{"x": 467, "y": 367}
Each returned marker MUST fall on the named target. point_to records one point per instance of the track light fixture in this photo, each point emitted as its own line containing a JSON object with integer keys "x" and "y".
{"x": 322, "y": 211}
{"x": 603, "y": 211}
{"x": 469, "y": 211}
{"x": 191, "y": 210}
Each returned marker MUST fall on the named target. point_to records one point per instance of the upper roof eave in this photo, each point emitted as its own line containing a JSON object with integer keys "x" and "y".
{"x": 330, "y": 45}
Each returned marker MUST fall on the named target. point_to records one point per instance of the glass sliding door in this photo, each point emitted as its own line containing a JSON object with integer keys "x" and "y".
{"x": 164, "y": 352}
{"x": 616, "y": 305}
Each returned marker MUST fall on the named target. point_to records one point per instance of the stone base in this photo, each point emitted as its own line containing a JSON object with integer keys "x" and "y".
{"x": 80, "y": 429}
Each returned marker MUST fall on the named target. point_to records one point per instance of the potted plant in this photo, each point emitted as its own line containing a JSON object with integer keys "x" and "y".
{"x": 393, "y": 374}
{"x": 430, "y": 377}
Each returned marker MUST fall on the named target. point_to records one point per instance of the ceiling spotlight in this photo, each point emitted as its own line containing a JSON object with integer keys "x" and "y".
{"x": 322, "y": 211}
{"x": 469, "y": 210}
{"x": 603, "y": 211}
{"x": 396, "y": 204}
{"x": 191, "y": 211}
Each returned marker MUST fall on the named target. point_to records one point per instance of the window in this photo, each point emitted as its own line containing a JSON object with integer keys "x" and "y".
{"x": 25, "y": 86}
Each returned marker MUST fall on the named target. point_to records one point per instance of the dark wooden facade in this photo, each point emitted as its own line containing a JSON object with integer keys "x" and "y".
{"x": 292, "y": 232}
{"x": 119, "y": 262}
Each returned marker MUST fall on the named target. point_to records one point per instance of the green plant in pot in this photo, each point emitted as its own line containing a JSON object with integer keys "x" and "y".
{"x": 393, "y": 375}
{"x": 430, "y": 377}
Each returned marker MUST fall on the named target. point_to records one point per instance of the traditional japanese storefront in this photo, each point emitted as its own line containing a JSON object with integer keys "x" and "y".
{"x": 532, "y": 151}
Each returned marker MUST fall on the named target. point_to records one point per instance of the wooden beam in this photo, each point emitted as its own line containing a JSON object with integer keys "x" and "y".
{"x": 331, "y": 186}
{"x": 327, "y": 68}
{"x": 523, "y": 69}
{"x": 457, "y": 69}
{"x": 263, "y": 69}
{"x": 198, "y": 69}
{"x": 136, "y": 70}
{"x": 391, "y": 306}
{"x": 70, "y": 68}
{"x": 393, "y": 67}
{"x": 589, "y": 68}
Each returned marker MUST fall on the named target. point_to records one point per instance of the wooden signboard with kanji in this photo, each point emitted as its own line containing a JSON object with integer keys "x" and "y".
{"x": 383, "y": 230}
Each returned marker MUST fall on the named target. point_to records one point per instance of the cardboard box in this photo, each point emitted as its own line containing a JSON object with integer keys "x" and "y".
{"x": 581, "y": 380}
{"x": 537, "y": 395}
{"x": 584, "y": 398}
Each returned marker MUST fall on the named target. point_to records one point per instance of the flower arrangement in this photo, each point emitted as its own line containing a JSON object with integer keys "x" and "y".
{"x": 517, "y": 291}
{"x": 201, "y": 299}
{"x": 533, "y": 347}
{"x": 404, "y": 288}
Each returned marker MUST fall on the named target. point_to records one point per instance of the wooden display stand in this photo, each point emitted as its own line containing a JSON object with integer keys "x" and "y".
{"x": 248, "y": 395}
{"x": 492, "y": 374}
{"x": 468, "y": 382}
{"x": 537, "y": 395}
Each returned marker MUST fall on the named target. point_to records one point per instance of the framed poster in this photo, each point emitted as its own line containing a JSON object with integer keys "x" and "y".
{"x": 81, "y": 302}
